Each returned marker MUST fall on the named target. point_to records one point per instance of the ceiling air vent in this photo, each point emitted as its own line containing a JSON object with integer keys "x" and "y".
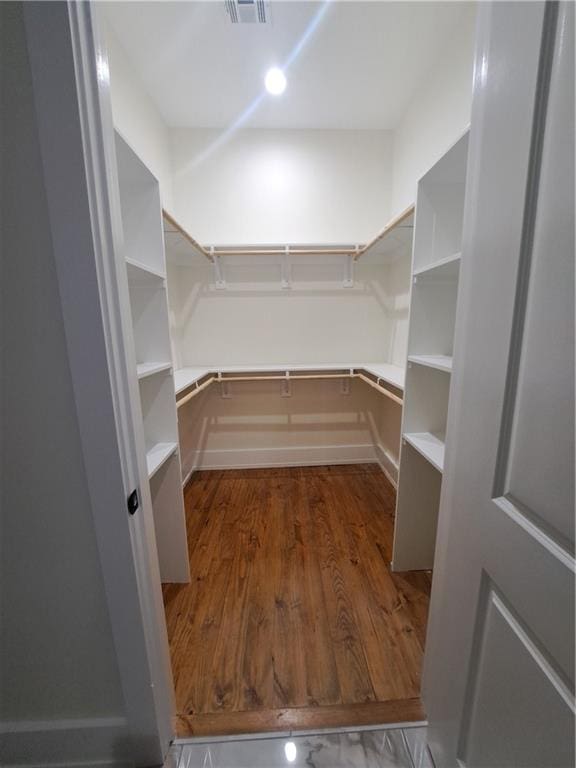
{"x": 247, "y": 11}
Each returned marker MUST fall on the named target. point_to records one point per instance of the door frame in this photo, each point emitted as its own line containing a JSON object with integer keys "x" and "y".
{"x": 71, "y": 86}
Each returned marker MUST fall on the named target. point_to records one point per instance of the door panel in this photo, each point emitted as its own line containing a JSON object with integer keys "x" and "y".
{"x": 513, "y": 685}
{"x": 499, "y": 669}
{"x": 539, "y": 476}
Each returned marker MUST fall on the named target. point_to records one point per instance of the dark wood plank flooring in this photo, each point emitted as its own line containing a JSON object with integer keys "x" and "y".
{"x": 292, "y": 618}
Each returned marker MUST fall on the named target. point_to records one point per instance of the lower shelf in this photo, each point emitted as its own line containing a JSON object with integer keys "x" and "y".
{"x": 428, "y": 445}
{"x": 157, "y": 455}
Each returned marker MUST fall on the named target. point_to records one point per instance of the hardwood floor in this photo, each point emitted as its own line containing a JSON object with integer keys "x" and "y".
{"x": 293, "y": 618}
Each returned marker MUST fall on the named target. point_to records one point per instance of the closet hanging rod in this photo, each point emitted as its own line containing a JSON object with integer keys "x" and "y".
{"x": 283, "y": 251}
{"x": 194, "y": 243}
{"x": 380, "y": 388}
{"x": 376, "y": 384}
{"x": 391, "y": 224}
{"x": 197, "y": 389}
{"x": 355, "y": 251}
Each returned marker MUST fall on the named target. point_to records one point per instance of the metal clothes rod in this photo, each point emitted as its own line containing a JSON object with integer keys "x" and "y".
{"x": 195, "y": 391}
{"x": 186, "y": 235}
{"x": 391, "y": 224}
{"x": 289, "y": 250}
{"x": 375, "y": 384}
{"x": 381, "y": 389}
{"x": 355, "y": 251}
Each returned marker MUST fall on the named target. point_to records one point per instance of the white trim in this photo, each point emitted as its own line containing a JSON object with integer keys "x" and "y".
{"x": 77, "y": 148}
{"x": 102, "y": 741}
{"x": 270, "y": 735}
{"x": 294, "y": 456}
{"x": 388, "y": 465}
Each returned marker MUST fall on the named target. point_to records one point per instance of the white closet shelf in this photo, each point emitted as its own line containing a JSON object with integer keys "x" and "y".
{"x": 443, "y": 269}
{"x": 440, "y": 362}
{"x": 386, "y": 372}
{"x": 138, "y": 272}
{"x": 428, "y": 445}
{"x": 391, "y": 374}
{"x": 158, "y": 455}
{"x": 185, "y": 377}
{"x": 149, "y": 369}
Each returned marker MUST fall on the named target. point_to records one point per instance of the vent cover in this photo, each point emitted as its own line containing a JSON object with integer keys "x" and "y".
{"x": 248, "y": 11}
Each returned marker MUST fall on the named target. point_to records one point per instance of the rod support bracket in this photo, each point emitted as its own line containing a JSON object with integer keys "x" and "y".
{"x": 219, "y": 279}
{"x": 286, "y": 269}
{"x": 348, "y": 281}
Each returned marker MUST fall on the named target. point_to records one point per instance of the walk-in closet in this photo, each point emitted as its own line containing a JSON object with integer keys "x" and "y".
{"x": 288, "y": 383}
{"x": 292, "y": 269}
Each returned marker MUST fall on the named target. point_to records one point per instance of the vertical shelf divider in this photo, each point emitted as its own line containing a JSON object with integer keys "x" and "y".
{"x": 435, "y": 275}
{"x": 144, "y": 257}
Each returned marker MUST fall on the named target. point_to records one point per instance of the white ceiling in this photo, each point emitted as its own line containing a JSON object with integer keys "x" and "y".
{"x": 355, "y": 64}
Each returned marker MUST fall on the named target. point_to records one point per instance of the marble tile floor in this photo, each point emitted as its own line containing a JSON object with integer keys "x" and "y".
{"x": 403, "y": 747}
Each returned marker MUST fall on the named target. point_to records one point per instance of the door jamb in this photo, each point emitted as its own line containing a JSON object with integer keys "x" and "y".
{"x": 71, "y": 94}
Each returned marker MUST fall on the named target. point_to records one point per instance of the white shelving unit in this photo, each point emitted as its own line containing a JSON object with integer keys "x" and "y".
{"x": 435, "y": 275}
{"x": 143, "y": 251}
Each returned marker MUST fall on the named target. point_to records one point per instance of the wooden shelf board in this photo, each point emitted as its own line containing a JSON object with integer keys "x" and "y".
{"x": 139, "y": 272}
{"x": 440, "y": 362}
{"x": 149, "y": 369}
{"x": 447, "y": 267}
{"x": 158, "y": 455}
{"x": 428, "y": 445}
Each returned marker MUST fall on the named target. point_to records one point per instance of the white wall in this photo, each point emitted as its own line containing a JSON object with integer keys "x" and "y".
{"x": 437, "y": 115}
{"x": 258, "y": 427}
{"x": 313, "y": 323}
{"x": 136, "y": 116}
{"x": 282, "y": 186}
{"x": 58, "y": 662}
{"x": 261, "y": 325}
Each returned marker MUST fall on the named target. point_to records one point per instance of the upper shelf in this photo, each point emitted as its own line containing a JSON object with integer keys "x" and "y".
{"x": 181, "y": 247}
{"x": 393, "y": 241}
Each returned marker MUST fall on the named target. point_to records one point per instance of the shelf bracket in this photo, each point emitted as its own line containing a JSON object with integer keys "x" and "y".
{"x": 348, "y": 281}
{"x": 286, "y": 269}
{"x": 286, "y": 387}
{"x": 218, "y": 270}
{"x": 345, "y": 386}
{"x": 225, "y": 393}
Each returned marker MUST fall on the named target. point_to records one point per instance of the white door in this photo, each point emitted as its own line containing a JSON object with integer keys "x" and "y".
{"x": 499, "y": 670}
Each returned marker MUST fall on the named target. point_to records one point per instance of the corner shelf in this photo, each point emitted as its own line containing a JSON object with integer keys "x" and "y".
{"x": 158, "y": 455}
{"x": 428, "y": 445}
{"x": 144, "y": 370}
{"x": 439, "y": 362}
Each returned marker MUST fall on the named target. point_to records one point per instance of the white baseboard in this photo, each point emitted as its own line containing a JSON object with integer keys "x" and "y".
{"x": 293, "y": 456}
{"x": 86, "y": 742}
{"x": 261, "y": 458}
{"x": 388, "y": 465}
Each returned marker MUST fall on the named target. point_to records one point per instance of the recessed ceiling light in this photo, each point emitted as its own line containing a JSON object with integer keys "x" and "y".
{"x": 275, "y": 81}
